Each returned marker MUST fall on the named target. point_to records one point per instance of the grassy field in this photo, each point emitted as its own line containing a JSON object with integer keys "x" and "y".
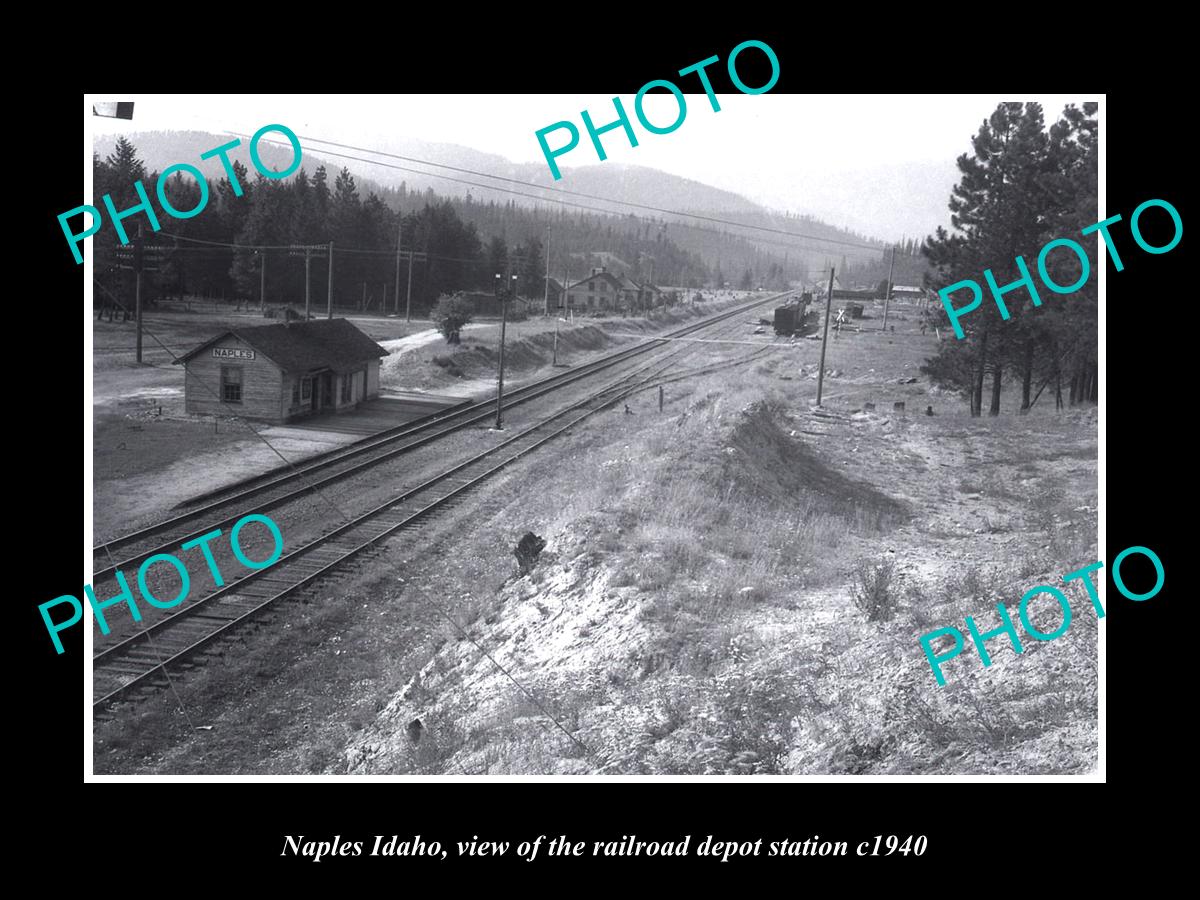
{"x": 700, "y": 604}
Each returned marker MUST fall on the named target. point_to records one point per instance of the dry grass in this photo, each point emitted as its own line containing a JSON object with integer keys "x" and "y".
{"x": 872, "y": 589}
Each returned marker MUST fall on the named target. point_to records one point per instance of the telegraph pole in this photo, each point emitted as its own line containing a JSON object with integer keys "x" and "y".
{"x": 408, "y": 301}
{"x": 331, "y": 279}
{"x": 399, "y": 235}
{"x": 548, "y": 270}
{"x": 408, "y": 297}
{"x": 307, "y": 298}
{"x": 887, "y": 296}
{"x": 136, "y": 258}
{"x": 566, "y": 280}
{"x": 503, "y": 322}
{"x": 262, "y": 283}
{"x": 308, "y": 250}
{"x": 137, "y": 296}
{"x": 825, "y": 336}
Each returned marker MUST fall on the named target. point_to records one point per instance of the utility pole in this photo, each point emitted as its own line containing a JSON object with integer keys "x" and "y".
{"x": 331, "y": 279}
{"x": 408, "y": 300}
{"x": 262, "y": 284}
{"x": 548, "y": 273}
{"x": 408, "y": 297}
{"x": 887, "y": 295}
{"x": 566, "y": 280}
{"x": 399, "y": 235}
{"x": 502, "y": 295}
{"x": 825, "y": 337}
{"x": 307, "y": 299}
{"x": 136, "y": 258}
{"x": 308, "y": 251}
{"x": 137, "y": 296}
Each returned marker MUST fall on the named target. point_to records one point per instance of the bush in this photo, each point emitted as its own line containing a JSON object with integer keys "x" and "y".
{"x": 447, "y": 363}
{"x": 450, "y": 314}
{"x": 872, "y": 589}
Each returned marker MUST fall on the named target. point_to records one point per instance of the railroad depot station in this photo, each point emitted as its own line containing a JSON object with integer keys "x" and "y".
{"x": 278, "y": 373}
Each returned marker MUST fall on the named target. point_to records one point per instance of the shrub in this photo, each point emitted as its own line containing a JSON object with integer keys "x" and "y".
{"x": 450, "y": 315}
{"x": 872, "y": 589}
{"x": 448, "y": 363}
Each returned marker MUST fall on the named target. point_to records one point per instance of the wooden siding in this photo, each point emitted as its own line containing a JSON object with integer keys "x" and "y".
{"x": 262, "y": 384}
{"x": 266, "y": 391}
{"x": 373, "y": 378}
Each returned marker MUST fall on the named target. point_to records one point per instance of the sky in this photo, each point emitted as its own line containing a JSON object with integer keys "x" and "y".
{"x": 882, "y": 165}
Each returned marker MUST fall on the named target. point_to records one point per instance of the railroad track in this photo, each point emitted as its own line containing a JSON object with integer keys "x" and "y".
{"x": 138, "y": 663}
{"x": 325, "y": 469}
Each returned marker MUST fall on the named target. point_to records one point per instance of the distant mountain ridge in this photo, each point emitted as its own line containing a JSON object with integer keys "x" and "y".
{"x": 614, "y": 182}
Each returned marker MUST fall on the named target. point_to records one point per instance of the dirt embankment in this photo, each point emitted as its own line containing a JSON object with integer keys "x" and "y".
{"x": 694, "y": 610}
{"x": 425, "y": 362}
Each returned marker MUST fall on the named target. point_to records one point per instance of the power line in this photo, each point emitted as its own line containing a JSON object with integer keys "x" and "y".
{"x": 360, "y": 250}
{"x": 558, "y": 190}
{"x": 629, "y": 203}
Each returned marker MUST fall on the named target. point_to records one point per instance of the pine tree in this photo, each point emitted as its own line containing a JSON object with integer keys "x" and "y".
{"x": 532, "y": 269}
{"x": 125, "y": 168}
{"x": 1002, "y": 209}
{"x": 497, "y": 259}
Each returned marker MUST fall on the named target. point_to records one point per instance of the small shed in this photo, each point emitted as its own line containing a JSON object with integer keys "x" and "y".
{"x": 277, "y": 373}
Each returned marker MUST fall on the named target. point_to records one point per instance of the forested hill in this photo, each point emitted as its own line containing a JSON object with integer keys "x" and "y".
{"x": 735, "y": 249}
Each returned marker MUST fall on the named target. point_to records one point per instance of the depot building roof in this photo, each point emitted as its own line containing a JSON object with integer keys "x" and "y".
{"x": 303, "y": 346}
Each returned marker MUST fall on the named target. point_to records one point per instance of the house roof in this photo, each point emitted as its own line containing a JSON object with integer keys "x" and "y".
{"x": 607, "y": 276}
{"x": 304, "y": 346}
{"x": 554, "y": 285}
{"x": 611, "y": 260}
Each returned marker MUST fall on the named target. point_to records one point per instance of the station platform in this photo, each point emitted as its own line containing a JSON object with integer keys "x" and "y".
{"x": 379, "y": 414}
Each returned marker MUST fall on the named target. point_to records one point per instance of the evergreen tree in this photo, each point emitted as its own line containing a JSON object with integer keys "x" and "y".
{"x": 125, "y": 168}
{"x": 1002, "y": 208}
{"x": 532, "y": 269}
{"x": 497, "y": 259}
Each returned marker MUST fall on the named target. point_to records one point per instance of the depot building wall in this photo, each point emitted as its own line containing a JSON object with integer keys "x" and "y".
{"x": 339, "y": 391}
{"x": 262, "y": 395}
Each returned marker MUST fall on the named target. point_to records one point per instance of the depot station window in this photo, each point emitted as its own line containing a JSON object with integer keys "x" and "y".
{"x": 231, "y": 384}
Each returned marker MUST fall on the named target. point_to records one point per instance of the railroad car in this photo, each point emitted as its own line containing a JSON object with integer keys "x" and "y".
{"x": 789, "y": 318}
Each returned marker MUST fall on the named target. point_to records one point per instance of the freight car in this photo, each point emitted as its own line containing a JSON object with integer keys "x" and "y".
{"x": 789, "y": 318}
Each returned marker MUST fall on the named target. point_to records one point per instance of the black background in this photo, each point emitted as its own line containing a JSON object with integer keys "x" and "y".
{"x": 979, "y": 833}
